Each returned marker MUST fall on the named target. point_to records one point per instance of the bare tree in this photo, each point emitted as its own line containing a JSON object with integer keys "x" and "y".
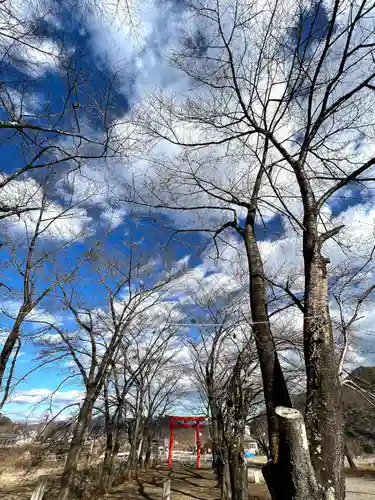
{"x": 103, "y": 336}
{"x": 28, "y": 243}
{"x": 163, "y": 390}
{"x": 52, "y": 135}
{"x": 275, "y": 97}
{"x": 142, "y": 384}
{"x": 225, "y": 368}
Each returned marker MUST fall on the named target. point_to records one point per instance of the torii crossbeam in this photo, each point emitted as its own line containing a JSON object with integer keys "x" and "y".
{"x": 184, "y": 423}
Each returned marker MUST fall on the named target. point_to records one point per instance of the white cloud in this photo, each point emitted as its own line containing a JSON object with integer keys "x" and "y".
{"x": 56, "y": 221}
{"x": 37, "y": 396}
{"x": 4, "y": 333}
{"x": 170, "y": 173}
{"x": 131, "y": 39}
{"x": 18, "y": 42}
{"x": 20, "y": 104}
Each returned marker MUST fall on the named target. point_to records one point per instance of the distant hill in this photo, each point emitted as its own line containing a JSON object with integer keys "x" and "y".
{"x": 359, "y": 409}
{"x": 5, "y": 422}
{"x": 183, "y": 437}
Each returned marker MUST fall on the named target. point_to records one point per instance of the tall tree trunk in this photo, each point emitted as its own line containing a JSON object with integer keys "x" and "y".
{"x": 141, "y": 452}
{"x": 222, "y": 461}
{"x": 214, "y": 427}
{"x": 132, "y": 459}
{"x": 112, "y": 466}
{"x": 155, "y": 459}
{"x": 235, "y": 431}
{"x": 106, "y": 467}
{"x": 274, "y": 385}
{"x": 277, "y": 471}
{"x": 9, "y": 345}
{"x": 214, "y": 435}
{"x": 236, "y": 460}
{"x": 71, "y": 464}
{"x": 237, "y": 472}
{"x": 223, "y": 471}
{"x": 323, "y": 392}
{"x": 148, "y": 450}
{"x": 111, "y": 452}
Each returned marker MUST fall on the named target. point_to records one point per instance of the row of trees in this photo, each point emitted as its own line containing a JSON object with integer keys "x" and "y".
{"x": 272, "y": 123}
{"x": 112, "y": 331}
{"x": 99, "y": 314}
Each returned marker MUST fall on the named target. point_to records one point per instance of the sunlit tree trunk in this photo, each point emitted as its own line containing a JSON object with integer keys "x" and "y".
{"x": 71, "y": 464}
{"x": 323, "y": 389}
{"x": 277, "y": 471}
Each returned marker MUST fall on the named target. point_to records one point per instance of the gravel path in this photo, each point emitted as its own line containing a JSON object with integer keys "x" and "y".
{"x": 360, "y": 488}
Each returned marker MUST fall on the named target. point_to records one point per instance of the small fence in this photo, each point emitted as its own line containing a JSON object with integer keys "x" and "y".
{"x": 189, "y": 457}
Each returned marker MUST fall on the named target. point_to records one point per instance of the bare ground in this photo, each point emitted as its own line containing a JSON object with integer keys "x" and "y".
{"x": 187, "y": 483}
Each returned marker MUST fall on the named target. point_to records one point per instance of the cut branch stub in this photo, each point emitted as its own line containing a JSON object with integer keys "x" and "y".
{"x": 166, "y": 492}
{"x": 303, "y": 476}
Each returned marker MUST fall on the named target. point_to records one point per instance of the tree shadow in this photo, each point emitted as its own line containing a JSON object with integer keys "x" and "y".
{"x": 190, "y": 470}
{"x": 142, "y": 491}
{"x": 186, "y": 494}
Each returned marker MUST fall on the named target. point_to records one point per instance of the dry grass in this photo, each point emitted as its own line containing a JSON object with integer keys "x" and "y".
{"x": 186, "y": 484}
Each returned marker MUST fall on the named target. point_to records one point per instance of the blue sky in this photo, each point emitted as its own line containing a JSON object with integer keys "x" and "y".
{"x": 102, "y": 52}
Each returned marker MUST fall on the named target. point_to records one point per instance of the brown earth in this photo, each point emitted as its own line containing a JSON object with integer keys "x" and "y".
{"x": 187, "y": 483}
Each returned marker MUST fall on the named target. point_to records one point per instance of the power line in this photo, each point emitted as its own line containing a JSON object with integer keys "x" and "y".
{"x": 238, "y": 322}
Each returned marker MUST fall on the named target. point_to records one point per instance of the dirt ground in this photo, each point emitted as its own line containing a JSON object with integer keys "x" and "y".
{"x": 186, "y": 484}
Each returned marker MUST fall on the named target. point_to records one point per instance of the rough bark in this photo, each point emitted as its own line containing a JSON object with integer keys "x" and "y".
{"x": 155, "y": 460}
{"x": 111, "y": 452}
{"x": 9, "y": 345}
{"x": 220, "y": 458}
{"x": 223, "y": 471}
{"x": 237, "y": 472}
{"x": 274, "y": 385}
{"x": 106, "y": 467}
{"x": 323, "y": 395}
{"x": 148, "y": 451}
{"x": 214, "y": 427}
{"x": 134, "y": 442}
{"x": 214, "y": 434}
{"x": 302, "y": 472}
{"x": 236, "y": 415}
{"x": 276, "y": 471}
{"x": 71, "y": 464}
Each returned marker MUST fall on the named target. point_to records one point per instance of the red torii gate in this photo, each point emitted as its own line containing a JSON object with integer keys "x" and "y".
{"x": 184, "y": 423}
